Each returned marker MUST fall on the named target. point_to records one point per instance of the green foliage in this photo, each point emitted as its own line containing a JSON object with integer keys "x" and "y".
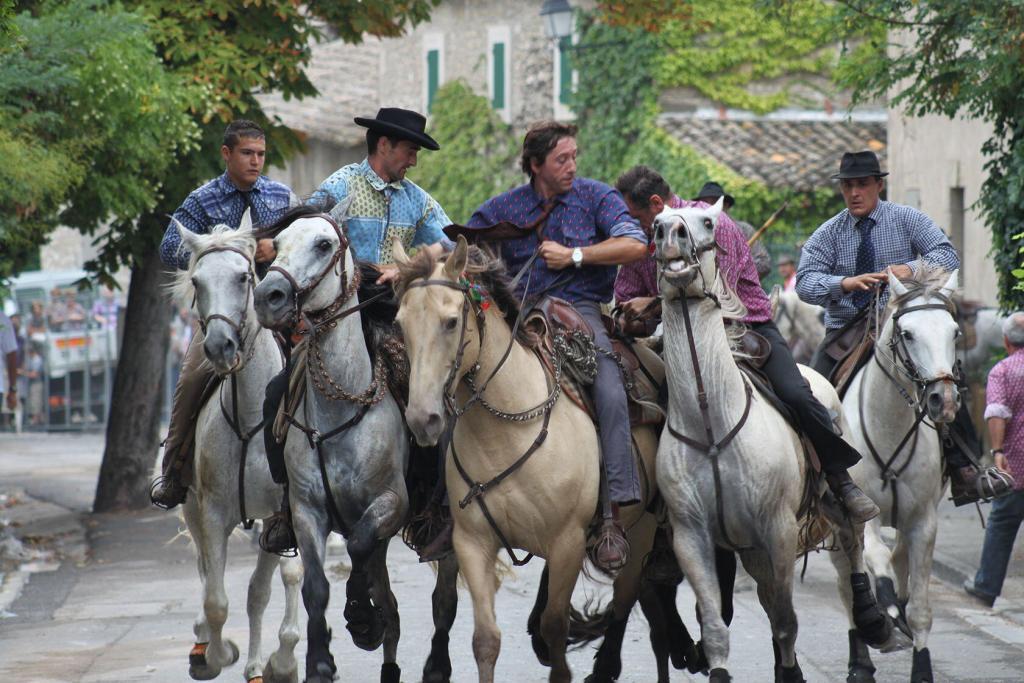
{"x": 617, "y": 133}
{"x": 478, "y": 156}
{"x": 87, "y": 113}
{"x": 948, "y": 58}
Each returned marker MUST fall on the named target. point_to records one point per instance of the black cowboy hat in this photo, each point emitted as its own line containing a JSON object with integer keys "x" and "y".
{"x": 400, "y": 124}
{"x": 859, "y": 165}
{"x": 713, "y": 191}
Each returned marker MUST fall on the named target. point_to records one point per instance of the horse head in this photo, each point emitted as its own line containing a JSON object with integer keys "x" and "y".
{"x": 312, "y": 270}
{"x": 684, "y": 246}
{"x": 441, "y": 337}
{"x": 220, "y": 279}
{"x": 921, "y": 334}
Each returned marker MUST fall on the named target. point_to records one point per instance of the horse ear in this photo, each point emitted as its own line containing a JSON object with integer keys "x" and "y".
{"x": 246, "y": 224}
{"x": 398, "y": 251}
{"x": 895, "y": 286}
{"x": 773, "y": 299}
{"x": 952, "y": 283}
{"x": 456, "y": 262}
{"x": 340, "y": 211}
{"x": 188, "y": 238}
{"x": 716, "y": 209}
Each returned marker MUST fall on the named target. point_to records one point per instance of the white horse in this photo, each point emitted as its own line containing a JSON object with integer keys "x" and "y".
{"x": 988, "y": 338}
{"x": 799, "y": 323}
{"x": 230, "y": 456}
{"x": 730, "y": 468}
{"x": 893, "y": 406}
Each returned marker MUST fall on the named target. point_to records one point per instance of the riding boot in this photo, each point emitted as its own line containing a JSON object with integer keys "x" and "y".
{"x": 611, "y": 547}
{"x": 859, "y": 507}
{"x": 169, "y": 489}
{"x": 441, "y": 546}
{"x": 278, "y": 537}
{"x": 967, "y": 482}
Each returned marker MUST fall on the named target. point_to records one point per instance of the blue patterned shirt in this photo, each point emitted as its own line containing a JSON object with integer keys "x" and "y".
{"x": 589, "y": 213}
{"x": 381, "y": 211}
{"x": 220, "y": 202}
{"x": 901, "y": 235}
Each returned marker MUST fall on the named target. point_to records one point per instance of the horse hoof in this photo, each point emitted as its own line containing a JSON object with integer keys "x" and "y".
{"x": 437, "y": 677}
{"x": 719, "y": 676}
{"x": 390, "y": 673}
{"x": 199, "y": 668}
{"x": 791, "y": 675}
{"x": 366, "y": 624}
{"x": 860, "y": 674}
{"x": 921, "y": 671}
{"x": 698, "y": 663}
{"x": 323, "y": 674}
{"x": 272, "y": 675}
{"x": 540, "y": 648}
{"x": 682, "y": 655}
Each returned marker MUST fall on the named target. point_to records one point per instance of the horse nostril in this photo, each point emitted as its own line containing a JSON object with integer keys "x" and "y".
{"x": 276, "y": 297}
{"x": 935, "y": 402}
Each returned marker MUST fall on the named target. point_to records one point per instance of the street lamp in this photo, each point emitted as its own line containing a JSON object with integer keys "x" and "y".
{"x": 557, "y": 15}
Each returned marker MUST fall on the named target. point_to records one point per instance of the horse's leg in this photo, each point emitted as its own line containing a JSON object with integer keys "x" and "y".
{"x": 380, "y": 591}
{"x": 608, "y": 660}
{"x": 656, "y": 612}
{"x": 311, "y": 529}
{"x": 540, "y": 648}
{"x": 476, "y": 562}
{"x": 282, "y": 667}
{"x": 200, "y": 627}
{"x": 878, "y": 558}
{"x": 445, "y": 601}
{"x": 773, "y": 573}
{"x": 220, "y": 652}
{"x": 365, "y": 617}
{"x": 564, "y": 566}
{"x": 696, "y": 555}
{"x": 871, "y": 623}
{"x": 255, "y": 606}
{"x": 920, "y": 539}
{"x": 860, "y": 669}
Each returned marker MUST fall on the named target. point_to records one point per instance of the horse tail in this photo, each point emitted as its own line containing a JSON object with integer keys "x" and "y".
{"x": 589, "y": 623}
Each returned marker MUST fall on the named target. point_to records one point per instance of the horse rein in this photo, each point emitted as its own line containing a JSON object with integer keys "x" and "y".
{"x": 709, "y": 446}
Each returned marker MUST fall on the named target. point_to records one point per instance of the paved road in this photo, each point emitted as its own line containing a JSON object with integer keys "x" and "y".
{"x": 124, "y": 614}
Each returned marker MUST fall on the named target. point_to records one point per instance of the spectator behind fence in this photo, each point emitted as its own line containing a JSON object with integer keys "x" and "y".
{"x": 35, "y": 328}
{"x": 1004, "y": 414}
{"x": 19, "y": 338}
{"x": 34, "y": 376}
{"x": 105, "y": 310}
{"x": 9, "y": 354}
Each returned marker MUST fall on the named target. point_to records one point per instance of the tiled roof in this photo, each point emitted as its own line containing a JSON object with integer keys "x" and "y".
{"x": 795, "y": 154}
{"x": 346, "y": 76}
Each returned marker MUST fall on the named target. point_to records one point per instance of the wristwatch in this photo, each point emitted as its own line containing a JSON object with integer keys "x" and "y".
{"x": 577, "y": 257}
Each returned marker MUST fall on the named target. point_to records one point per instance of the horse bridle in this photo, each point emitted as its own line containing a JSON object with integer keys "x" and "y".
{"x": 692, "y": 258}
{"x": 347, "y": 287}
{"x": 240, "y": 326}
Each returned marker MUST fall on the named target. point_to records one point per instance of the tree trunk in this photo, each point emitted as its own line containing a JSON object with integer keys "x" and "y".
{"x": 133, "y": 430}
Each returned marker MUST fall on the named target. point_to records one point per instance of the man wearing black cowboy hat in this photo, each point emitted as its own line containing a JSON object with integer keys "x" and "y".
{"x": 385, "y": 205}
{"x": 710, "y": 193}
{"x": 845, "y": 260}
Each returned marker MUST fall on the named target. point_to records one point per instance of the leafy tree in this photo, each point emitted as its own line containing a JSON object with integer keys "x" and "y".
{"x": 227, "y": 50}
{"x": 944, "y": 57}
{"x": 478, "y": 157}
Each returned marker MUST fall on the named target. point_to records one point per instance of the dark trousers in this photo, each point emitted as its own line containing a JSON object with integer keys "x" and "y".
{"x": 835, "y": 454}
{"x": 1000, "y": 533}
{"x": 275, "y": 451}
{"x": 609, "y": 394}
{"x": 962, "y": 427}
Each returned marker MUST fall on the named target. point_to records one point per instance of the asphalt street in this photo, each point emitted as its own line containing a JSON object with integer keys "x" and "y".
{"x": 117, "y": 603}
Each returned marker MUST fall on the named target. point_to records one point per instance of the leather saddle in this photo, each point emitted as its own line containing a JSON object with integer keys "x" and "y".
{"x": 852, "y": 349}
{"x": 644, "y": 371}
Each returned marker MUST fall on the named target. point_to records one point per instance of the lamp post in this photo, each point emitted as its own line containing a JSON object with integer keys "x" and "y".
{"x": 557, "y": 16}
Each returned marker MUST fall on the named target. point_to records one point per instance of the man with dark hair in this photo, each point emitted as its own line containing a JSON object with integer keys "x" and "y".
{"x": 737, "y": 267}
{"x": 586, "y": 232}
{"x": 845, "y": 260}
{"x": 221, "y": 200}
{"x": 386, "y": 204}
{"x": 787, "y": 271}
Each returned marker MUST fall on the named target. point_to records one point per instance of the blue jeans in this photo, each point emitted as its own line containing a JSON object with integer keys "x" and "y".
{"x": 1003, "y": 522}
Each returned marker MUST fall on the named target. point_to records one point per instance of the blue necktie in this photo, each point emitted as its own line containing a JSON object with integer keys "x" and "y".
{"x": 865, "y": 260}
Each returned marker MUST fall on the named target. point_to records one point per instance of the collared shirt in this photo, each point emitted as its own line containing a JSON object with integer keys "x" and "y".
{"x": 734, "y": 258}
{"x": 8, "y": 344}
{"x": 108, "y": 311}
{"x": 381, "y": 211}
{"x": 1004, "y": 397}
{"x": 220, "y": 202}
{"x": 901, "y": 235}
{"x": 589, "y": 213}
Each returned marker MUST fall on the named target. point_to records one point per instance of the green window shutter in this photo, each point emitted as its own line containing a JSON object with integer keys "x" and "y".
{"x": 433, "y": 76}
{"x": 565, "y": 72}
{"x": 498, "y": 50}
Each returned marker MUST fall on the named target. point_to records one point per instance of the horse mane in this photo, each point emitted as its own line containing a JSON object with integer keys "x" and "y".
{"x": 733, "y": 309}
{"x": 928, "y": 280}
{"x": 219, "y": 236}
{"x": 481, "y": 268}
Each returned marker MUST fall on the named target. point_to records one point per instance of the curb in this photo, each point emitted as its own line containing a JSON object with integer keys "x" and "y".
{"x": 50, "y": 535}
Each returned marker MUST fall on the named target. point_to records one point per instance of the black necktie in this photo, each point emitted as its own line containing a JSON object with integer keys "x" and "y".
{"x": 865, "y": 260}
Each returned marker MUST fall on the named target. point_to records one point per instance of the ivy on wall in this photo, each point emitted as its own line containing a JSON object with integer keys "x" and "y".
{"x": 478, "y": 156}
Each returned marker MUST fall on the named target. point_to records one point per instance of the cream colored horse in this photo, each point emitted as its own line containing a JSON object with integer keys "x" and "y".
{"x": 545, "y": 506}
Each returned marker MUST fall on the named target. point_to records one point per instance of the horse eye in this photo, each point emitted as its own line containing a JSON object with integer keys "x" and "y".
{"x": 323, "y": 245}
{"x": 907, "y": 334}
{"x": 193, "y": 281}
{"x": 243, "y": 278}
{"x": 451, "y": 323}
{"x": 708, "y": 224}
